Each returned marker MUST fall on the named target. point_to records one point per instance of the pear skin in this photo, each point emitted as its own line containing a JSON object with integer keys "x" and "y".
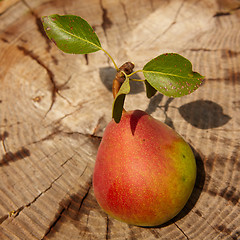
{"x": 144, "y": 172}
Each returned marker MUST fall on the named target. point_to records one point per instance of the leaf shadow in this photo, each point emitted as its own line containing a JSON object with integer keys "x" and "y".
{"x": 9, "y": 156}
{"x": 107, "y": 74}
{"x": 155, "y": 103}
{"x": 135, "y": 117}
{"x": 204, "y": 114}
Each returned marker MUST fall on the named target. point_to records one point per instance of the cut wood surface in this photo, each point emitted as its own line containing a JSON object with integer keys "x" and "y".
{"x": 54, "y": 108}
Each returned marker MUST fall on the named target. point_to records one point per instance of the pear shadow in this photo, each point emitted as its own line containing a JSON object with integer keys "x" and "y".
{"x": 204, "y": 114}
{"x": 197, "y": 190}
{"x": 107, "y": 74}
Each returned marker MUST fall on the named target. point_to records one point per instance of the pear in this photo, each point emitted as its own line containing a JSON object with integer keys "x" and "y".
{"x": 144, "y": 172}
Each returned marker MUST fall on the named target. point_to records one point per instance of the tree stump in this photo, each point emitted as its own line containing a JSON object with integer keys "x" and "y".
{"x": 54, "y": 108}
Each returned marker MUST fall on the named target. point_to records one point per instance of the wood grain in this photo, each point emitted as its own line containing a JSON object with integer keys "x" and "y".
{"x": 54, "y": 108}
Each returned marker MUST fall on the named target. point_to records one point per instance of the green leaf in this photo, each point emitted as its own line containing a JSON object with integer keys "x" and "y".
{"x": 119, "y": 101}
{"x": 172, "y": 75}
{"x": 71, "y": 34}
{"x": 151, "y": 91}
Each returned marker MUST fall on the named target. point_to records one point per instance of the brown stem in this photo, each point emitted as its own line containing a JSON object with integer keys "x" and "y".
{"x": 120, "y": 77}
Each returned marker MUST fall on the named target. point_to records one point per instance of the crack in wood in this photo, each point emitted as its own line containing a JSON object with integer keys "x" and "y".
{"x": 106, "y": 21}
{"x": 220, "y": 14}
{"x": 98, "y": 125}
{"x": 4, "y": 40}
{"x": 85, "y": 196}
{"x": 95, "y": 140}
{"x": 15, "y": 213}
{"x": 202, "y": 49}
{"x": 36, "y": 58}
{"x": 62, "y": 87}
{"x": 3, "y": 218}
{"x": 90, "y": 136}
{"x": 51, "y": 135}
{"x": 65, "y": 208}
{"x": 7, "y": 8}
{"x": 56, "y": 220}
{"x": 226, "y": 53}
{"x": 181, "y": 231}
{"x": 58, "y": 121}
{"x": 67, "y": 160}
{"x": 36, "y": 198}
{"x": 107, "y": 228}
{"x": 174, "y": 21}
{"x": 55, "y": 88}
{"x": 125, "y": 12}
{"x": 39, "y": 25}
{"x": 226, "y": 13}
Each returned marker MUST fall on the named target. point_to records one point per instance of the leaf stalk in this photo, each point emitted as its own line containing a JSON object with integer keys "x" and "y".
{"x": 136, "y": 80}
{"x": 115, "y": 65}
{"x": 140, "y": 70}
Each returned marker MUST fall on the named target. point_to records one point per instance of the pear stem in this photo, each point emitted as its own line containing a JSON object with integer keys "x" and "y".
{"x": 127, "y": 68}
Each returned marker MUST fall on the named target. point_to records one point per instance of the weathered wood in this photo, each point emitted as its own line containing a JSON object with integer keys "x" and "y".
{"x": 54, "y": 108}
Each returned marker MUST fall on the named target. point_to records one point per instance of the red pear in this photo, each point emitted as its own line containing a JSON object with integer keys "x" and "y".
{"x": 144, "y": 172}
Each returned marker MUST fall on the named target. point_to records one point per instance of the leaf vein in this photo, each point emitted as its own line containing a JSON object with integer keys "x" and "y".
{"x": 169, "y": 74}
{"x": 76, "y": 36}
